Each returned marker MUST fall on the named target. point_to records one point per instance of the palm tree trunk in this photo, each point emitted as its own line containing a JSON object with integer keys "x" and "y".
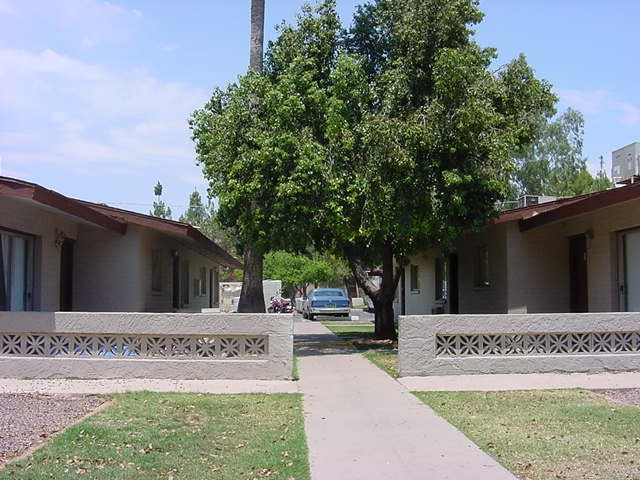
{"x": 252, "y": 293}
{"x": 257, "y": 35}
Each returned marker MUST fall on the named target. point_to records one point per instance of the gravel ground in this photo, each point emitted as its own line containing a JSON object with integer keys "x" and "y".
{"x": 630, "y": 396}
{"x": 27, "y": 420}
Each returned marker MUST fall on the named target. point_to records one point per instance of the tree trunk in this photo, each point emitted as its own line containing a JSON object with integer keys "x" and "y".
{"x": 252, "y": 294}
{"x": 382, "y": 296}
{"x": 385, "y": 318}
{"x": 257, "y": 35}
{"x": 385, "y": 325}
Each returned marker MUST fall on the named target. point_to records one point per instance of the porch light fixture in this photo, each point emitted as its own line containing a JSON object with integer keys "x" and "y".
{"x": 58, "y": 238}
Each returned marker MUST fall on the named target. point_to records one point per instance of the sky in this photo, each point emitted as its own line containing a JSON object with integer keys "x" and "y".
{"x": 95, "y": 96}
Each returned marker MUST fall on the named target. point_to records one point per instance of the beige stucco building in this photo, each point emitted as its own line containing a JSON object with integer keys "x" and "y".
{"x": 579, "y": 254}
{"x": 58, "y": 253}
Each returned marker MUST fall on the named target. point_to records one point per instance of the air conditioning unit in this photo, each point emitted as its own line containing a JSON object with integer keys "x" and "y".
{"x": 625, "y": 163}
{"x": 529, "y": 200}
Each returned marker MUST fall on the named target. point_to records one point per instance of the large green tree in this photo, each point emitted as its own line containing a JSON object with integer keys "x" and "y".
{"x": 394, "y": 137}
{"x": 422, "y": 131}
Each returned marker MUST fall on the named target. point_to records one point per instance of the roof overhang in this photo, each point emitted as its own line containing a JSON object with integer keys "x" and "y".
{"x": 585, "y": 204}
{"x": 30, "y": 191}
{"x": 172, "y": 228}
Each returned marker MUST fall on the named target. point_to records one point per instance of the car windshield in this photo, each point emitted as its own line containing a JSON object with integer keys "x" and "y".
{"x": 328, "y": 293}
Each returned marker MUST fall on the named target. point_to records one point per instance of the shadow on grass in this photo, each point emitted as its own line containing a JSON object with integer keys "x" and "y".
{"x": 382, "y": 353}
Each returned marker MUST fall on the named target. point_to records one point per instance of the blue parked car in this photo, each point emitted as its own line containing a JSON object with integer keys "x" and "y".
{"x": 326, "y": 301}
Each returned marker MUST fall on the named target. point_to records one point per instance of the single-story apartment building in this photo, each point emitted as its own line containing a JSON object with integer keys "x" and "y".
{"x": 577, "y": 254}
{"x": 62, "y": 254}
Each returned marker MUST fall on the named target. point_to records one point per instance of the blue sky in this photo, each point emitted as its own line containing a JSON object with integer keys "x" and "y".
{"x": 95, "y": 95}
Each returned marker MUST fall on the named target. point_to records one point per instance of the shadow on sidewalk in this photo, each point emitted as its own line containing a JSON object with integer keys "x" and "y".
{"x": 321, "y": 344}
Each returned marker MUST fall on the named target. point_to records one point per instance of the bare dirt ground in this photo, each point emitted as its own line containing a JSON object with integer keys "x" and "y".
{"x": 27, "y": 420}
{"x": 630, "y": 396}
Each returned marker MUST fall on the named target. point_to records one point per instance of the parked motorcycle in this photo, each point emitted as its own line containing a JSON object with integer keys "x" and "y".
{"x": 280, "y": 305}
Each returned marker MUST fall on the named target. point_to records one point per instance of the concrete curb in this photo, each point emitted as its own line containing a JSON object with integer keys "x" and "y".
{"x": 12, "y": 385}
{"x": 530, "y": 381}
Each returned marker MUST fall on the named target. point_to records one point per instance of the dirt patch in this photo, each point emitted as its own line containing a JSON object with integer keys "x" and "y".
{"x": 28, "y": 420}
{"x": 630, "y": 396}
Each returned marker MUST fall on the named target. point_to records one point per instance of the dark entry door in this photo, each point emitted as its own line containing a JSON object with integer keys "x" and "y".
{"x": 176, "y": 281}
{"x": 453, "y": 284}
{"x": 66, "y": 275}
{"x": 579, "y": 296}
{"x": 210, "y": 288}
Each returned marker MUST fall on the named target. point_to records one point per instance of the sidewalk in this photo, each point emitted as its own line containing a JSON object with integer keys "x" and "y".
{"x": 362, "y": 424}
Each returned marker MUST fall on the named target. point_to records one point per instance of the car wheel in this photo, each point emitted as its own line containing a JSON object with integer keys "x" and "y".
{"x": 311, "y": 316}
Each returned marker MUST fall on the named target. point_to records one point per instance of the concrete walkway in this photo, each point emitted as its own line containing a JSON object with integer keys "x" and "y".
{"x": 362, "y": 424}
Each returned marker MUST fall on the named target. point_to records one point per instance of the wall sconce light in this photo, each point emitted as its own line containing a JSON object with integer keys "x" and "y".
{"x": 59, "y": 237}
{"x": 589, "y": 233}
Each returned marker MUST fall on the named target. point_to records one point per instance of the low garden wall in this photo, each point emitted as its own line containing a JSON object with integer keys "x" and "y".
{"x": 145, "y": 345}
{"x": 518, "y": 343}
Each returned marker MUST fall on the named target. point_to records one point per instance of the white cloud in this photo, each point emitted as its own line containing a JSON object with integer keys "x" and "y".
{"x": 600, "y": 102}
{"x": 65, "y": 111}
{"x": 90, "y": 22}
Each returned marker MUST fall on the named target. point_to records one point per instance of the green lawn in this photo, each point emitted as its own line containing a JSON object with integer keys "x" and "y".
{"x": 383, "y": 355}
{"x": 559, "y": 434}
{"x": 178, "y": 436}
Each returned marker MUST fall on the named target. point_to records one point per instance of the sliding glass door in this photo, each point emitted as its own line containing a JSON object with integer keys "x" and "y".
{"x": 16, "y": 271}
{"x": 630, "y": 287}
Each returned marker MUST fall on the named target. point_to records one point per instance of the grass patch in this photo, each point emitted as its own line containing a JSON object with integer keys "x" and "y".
{"x": 558, "y": 434}
{"x": 178, "y": 437}
{"x": 295, "y": 374}
{"x": 382, "y": 355}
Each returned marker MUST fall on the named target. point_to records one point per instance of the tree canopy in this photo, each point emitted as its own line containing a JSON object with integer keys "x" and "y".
{"x": 159, "y": 208}
{"x": 298, "y": 271}
{"x": 554, "y": 163}
{"x": 373, "y": 143}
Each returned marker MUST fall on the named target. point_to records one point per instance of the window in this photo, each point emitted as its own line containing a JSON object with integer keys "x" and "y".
{"x": 481, "y": 267}
{"x": 414, "y": 284}
{"x": 156, "y": 271}
{"x": 441, "y": 268}
{"x": 203, "y": 281}
{"x": 16, "y": 271}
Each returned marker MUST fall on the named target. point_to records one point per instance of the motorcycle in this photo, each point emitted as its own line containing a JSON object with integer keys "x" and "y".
{"x": 280, "y": 305}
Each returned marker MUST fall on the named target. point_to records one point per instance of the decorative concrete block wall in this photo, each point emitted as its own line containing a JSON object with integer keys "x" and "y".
{"x": 145, "y": 345}
{"x": 518, "y": 343}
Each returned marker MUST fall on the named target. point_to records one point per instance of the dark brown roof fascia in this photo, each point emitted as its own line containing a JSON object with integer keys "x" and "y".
{"x": 588, "y": 204}
{"x": 170, "y": 227}
{"x": 17, "y": 188}
{"x": 225, "y": 258}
